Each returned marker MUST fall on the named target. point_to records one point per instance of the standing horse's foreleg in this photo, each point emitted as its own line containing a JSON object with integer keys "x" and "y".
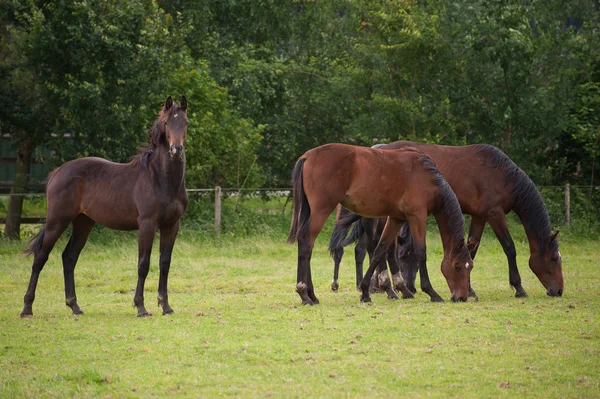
{"x": 167, "y": 241}
{"x": 475, "y": 233}
{"x": 498, "y": 224}
{"x": 406, "y": 258}
{"x": 360, "y": 252}
{"x": 337, "y": 259}
{"x": 397, "y": 278}
{"x": 49, "y": 235}
{"x": 145, "y": 241}
{"x": 418, "y": 232}
{"x": 390, "y": 231}
{"x": 373, "y": 235}
{"x": 82, "y": 226}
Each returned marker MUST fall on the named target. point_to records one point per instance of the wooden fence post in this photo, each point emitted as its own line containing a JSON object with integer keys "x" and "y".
{"x": 567, "y": 205}
{"x": 218, "y": 209}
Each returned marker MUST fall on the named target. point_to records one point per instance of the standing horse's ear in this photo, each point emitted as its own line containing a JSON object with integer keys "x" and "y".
{"x": 554, "y": 236}
{"x": 183, "y": 103}
{"x": 168, "y": 103}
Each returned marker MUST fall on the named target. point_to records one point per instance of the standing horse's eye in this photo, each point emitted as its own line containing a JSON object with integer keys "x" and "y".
{"x": 554, "y": 258}
{"x": 457, "y": 268}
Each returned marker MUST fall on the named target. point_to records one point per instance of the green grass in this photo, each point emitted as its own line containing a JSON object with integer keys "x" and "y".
{"x": 239, "y": 329}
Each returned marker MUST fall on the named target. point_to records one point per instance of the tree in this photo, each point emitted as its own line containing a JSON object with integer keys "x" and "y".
{"x": 92, "y": 71}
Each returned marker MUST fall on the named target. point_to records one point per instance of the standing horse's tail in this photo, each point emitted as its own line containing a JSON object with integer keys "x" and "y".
{"x": 35, "y": 244}
{"x": 338, "y": 237}
{"x": 301, "y": 207}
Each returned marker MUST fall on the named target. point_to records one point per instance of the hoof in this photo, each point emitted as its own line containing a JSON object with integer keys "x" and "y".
{"x": 77, "y": 312}
{"x": 144, "y": 314}
{"x": 392, "y": 296}
{"x": 408, "y": 295}
{"x": 315, "y": 301}
{"x": 436, "y": 299}
{"x": 365, "y": 299}
{"x": 168, "y": 311}
{"x": 26, "y": 315}
{"x": 335, "y": 286}
{"x": 307, "y": 302}
{"x": 472, "y": 293}
{"x": 521, "y": 294}
{"x": 412, "y": 289}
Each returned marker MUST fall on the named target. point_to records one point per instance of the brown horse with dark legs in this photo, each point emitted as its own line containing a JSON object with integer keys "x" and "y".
{"x": 489, "y": 185}
{"x": 403, "y": 185}
{"x": 147, "y": 194}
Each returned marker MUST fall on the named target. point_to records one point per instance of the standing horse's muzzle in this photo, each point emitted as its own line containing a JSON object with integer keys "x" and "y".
{"x": 458, "y": 298}
{"x": 176, "y": 151}
{"x": 554, "y": 292}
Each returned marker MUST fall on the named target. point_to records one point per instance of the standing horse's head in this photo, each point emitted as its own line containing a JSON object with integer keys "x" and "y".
{"x": 457, "y": 270}
{"x": 547, "y": 266}
{"x": 173, "y": 126}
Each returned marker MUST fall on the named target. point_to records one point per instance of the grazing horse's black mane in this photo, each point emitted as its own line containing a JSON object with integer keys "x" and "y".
{"x": 528, "y": 202}
{"x": 154, "y": 136}
{"x": 454, "y": 214}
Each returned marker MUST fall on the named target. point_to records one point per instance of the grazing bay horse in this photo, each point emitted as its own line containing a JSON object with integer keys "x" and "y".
{"x": 146, "y": 194}
{"x": 488, "y": 185}
{"x": 403, "y": 185}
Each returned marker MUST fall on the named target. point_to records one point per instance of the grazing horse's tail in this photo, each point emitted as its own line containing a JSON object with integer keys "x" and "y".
{"x": 338, "y": 237}
{"x": 301, "y": 208}
{"x": 35, "y": 244}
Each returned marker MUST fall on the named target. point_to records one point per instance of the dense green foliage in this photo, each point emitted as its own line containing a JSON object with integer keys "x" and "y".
{"x": 267, "y": 80}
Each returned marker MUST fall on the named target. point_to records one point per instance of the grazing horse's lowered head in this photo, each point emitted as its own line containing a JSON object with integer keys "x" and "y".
{"x": 455, "y": 268}
{"x": 546, "y": 263}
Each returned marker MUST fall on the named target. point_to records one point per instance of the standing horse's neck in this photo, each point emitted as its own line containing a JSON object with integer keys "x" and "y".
{"x": 530, "y": 208}
{"x": 450, "y": 222}
{"x": 447, "y": 232}
{"x": 169, "y": 173}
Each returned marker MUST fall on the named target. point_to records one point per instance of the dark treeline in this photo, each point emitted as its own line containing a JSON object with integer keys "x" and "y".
{"x": 266, "y": 80}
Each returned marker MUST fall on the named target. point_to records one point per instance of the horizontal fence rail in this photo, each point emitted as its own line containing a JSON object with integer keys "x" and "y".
{"x": 219, "y": 192}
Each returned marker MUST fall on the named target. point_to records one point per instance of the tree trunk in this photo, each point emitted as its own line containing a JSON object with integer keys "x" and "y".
{"x": 12, "y": 229}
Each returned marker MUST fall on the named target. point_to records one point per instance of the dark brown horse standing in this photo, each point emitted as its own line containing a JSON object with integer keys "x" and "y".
{"x": 403, "y": 185}
{"x": 488, "y": 185}
{"x": 147, "y": 194}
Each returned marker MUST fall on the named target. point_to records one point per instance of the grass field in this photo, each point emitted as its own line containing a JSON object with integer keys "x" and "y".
{"x": 239, "y": 329}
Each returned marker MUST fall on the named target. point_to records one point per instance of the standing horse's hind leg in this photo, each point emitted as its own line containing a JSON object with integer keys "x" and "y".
{"x": 304, "y": 285}
{"x": 167, "y": 241}
{"x": 145, "y": 240}
{"x": 52, "y": 231}
{"x": 82, "y": 226}
{"x": 337, "y": 259}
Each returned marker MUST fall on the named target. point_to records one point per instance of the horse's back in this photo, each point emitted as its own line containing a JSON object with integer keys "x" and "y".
{"x": 101, "y": 189}
{"x": 475, "y": 172}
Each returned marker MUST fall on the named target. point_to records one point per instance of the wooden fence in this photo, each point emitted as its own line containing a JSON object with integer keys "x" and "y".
{"x": 219, "y": 192}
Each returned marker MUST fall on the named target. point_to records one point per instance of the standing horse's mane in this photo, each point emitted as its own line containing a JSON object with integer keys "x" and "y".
{"x": 528, "y": 202}
{"x": 454, "y": 213}
{"x": 154, "y": 135}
